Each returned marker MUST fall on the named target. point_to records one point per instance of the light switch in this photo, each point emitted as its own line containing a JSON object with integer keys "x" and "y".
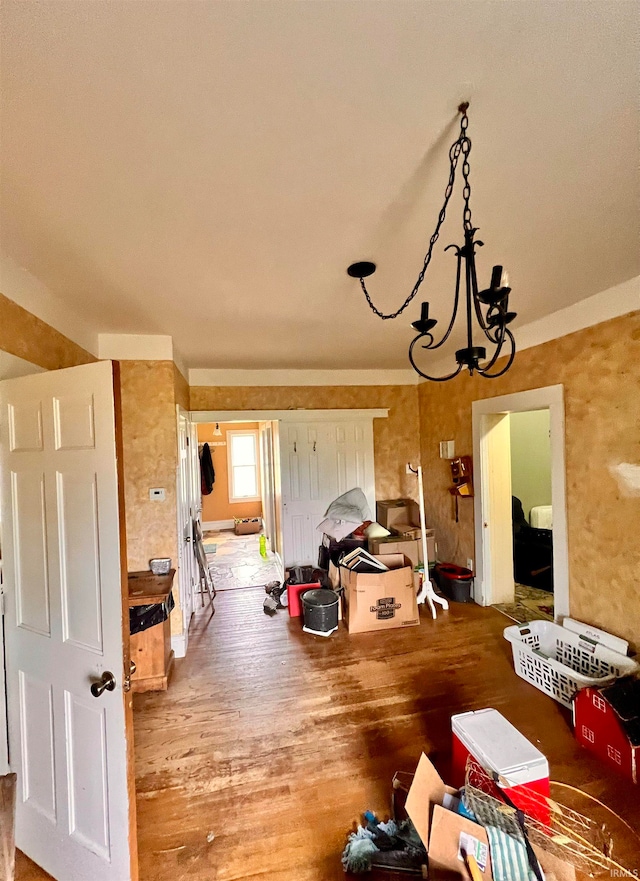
{"x": 447, "y": 449}
{"x": 157, "y": 494}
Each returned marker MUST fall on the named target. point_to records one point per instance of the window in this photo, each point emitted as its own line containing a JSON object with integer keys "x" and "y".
{"x": 242, "y": 452}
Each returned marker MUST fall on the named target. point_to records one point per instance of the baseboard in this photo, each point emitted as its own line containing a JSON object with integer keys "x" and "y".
{"x": 179, "y": 644}
{"x": 218, "y": 524}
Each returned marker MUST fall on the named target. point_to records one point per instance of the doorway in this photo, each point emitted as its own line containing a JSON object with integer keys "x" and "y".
{"x": 532, "y": 517}
{"x": 239, "y": 516}
{"x": 520, "y": 509}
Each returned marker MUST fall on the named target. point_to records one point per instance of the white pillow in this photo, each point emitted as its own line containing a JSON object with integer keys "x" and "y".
{"x": 374, "y": 530}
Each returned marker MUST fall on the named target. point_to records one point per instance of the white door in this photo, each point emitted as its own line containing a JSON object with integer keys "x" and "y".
{"x": 64, "y": 623}
{"x": 4, "y": 733}
{"x": 320, "y": 461}
{"x": 186, "y": 559}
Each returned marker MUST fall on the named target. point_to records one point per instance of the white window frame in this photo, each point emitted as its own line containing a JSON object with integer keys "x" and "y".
{"x": 233, "y": 500}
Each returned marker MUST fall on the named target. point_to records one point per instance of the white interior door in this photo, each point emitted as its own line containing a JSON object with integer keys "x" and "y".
{"x": 186, "y": 559}
{"x": 4, "y": 731}
{"x": 65, "y": 623}
{"x": 320, "y": 461}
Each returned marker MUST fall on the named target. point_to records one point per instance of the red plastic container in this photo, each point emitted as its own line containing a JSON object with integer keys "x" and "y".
{"x": 293, "y": 595}
{"x": 496, "y": 745}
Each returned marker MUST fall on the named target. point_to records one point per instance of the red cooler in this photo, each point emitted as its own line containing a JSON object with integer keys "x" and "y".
{"x": 496, "y": 745}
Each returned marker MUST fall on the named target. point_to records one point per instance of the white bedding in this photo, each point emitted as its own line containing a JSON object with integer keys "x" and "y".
{"x": 541, "y": 517}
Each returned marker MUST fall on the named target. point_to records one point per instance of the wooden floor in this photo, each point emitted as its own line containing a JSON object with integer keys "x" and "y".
{"x": 270, "y": 743}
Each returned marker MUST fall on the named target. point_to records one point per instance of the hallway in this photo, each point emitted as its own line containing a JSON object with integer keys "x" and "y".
{"x": 235, "y": 561}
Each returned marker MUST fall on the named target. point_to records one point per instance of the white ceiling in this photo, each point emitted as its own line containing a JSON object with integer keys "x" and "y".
{"x": 209, "y": 169}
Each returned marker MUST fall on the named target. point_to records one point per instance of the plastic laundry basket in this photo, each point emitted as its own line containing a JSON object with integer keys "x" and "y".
{"x": 562, "y": 660}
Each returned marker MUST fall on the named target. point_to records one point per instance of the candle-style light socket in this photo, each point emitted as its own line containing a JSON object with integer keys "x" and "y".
{"x": 497, "y": 290}
{"x": 425, "y": 324}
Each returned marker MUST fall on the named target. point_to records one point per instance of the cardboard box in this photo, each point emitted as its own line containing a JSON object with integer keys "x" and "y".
{"x": 248, "y": 526}
{"x": 441, "y": 829}
{"x": 410, "y": 547}
{"x": 381, "y": 601}
{"x": 390, "y": 511}
{"x": 406, "y": 530}
{"x": 444, "y": 832}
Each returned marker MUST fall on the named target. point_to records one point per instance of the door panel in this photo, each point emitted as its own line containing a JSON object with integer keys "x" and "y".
{"x": 64, "y": 622}
{"x": 30, "y": 551}
{"x": 25, "y": 427}
{"x": 321, "y": 461}
{"x": 79, "y": 560}
{"x": 38, "y": 766}
{"x": 88, "y": 806}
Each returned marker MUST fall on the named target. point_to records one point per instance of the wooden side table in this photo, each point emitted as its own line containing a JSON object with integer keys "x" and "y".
{"x": 151, "y": 649}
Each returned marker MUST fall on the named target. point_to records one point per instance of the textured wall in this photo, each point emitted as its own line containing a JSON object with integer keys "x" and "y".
{"x": 217, "y": 506}
{"x": 181, "y": 388}
{"x": 150, "y": 460}
{"x": 395, "y": 440}
{"x": 600, "y": 370}
{"x": 24, "y": 335}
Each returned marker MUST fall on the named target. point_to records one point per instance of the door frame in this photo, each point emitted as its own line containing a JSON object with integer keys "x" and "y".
{"x": 489, "y": 493}
{"x": 276, "y": 417}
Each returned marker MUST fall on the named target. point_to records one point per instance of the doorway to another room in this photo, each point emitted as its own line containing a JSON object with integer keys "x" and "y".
{"x": 532, "y": 519}
{"x": 520, "y": 510}
{"x": 238, "y": 522}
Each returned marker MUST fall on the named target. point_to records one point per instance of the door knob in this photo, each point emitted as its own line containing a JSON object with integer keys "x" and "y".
{"x": 106, "y": 683}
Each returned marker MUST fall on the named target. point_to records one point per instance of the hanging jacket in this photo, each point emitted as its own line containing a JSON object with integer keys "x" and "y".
{"x": 207, "y": 471}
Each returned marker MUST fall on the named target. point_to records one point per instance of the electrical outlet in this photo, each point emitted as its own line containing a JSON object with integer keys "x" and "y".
{"x": 470, "y": 563}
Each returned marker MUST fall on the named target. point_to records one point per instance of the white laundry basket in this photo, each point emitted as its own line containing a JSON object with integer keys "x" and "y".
{"x": 562, "y": 660}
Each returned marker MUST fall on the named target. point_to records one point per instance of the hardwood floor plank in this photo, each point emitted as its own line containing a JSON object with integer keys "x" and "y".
{"x": 270, "y": 743}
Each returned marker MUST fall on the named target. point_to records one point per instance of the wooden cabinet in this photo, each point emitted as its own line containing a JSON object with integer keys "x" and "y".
{"x": 151, "y": 649}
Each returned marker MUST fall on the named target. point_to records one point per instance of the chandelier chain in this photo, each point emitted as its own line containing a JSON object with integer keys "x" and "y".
{"x": 462, "y": 146}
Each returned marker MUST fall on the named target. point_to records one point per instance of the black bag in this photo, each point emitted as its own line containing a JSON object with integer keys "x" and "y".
{"x": 143, "y": 617}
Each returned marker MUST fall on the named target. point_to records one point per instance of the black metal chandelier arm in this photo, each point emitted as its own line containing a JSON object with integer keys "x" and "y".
{"x": 504, "y": 369}
{"x": 476, "y": 299}
{"x": 426, "y": 375}
{"x": 498, "y": 341}
{"x": 456, "y": 300}
{"x": 454, "y": 155}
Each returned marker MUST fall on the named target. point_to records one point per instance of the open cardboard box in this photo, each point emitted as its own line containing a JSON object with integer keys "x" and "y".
{"x": 444, "y": 832}
{"x": 381, "y": 600}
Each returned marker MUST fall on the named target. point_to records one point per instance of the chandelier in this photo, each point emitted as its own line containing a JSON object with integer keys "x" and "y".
{"x": 489, "y": 308}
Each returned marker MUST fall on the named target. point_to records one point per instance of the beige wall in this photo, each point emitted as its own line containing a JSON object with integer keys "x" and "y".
{"x": 600, "y": 370}
{"x": 150, "y": 460}
{"x": 27, "y": 337}
{"x": 180, "y": 389}
{"x": 216, "y": 506}
{"x": 395, "y": 440}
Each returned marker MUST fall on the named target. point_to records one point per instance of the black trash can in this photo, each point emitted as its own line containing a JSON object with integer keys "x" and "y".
{"x": 455, "y": 582}
{"x": 320, "y": 610}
